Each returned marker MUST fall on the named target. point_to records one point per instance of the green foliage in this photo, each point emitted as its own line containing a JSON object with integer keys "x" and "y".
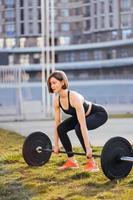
{"x": 21, "y": 182}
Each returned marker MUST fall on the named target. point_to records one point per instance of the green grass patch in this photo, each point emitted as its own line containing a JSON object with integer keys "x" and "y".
{"x": 125, "y": 115}
{"x": 21, "y": 182}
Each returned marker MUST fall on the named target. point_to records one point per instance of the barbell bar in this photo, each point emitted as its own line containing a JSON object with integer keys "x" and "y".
{"x": 39, "y": 149}
{"x": 116, "y": 156}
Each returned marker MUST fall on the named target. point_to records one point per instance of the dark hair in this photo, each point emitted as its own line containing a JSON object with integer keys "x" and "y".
{"x": 60, "y": 76}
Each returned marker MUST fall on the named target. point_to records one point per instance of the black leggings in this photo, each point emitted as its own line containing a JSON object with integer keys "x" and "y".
{"x": 96, "y": 118}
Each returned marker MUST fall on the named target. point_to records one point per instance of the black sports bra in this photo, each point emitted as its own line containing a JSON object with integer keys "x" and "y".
{"x": 71, "y": 110}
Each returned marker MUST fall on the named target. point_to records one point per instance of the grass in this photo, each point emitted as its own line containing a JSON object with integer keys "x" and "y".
{"x": 21, "y": 182}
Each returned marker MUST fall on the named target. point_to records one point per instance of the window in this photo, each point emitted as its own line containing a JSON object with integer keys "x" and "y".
{"x": 10, "y": 42}
{"x": 22, "y": 28}
{"x": 22, "y": 42}
{"x": 102, "y": 7}
{"x": 83, "y": 55}
{"x": 10, "y": 29}
{"x": 1, "y": 43}
{"x": 65, "y": 27}
{"x": 24, "y": 59}
{"x": 64, "y": 12}
{"x": 126, "y": 34}
{"x": 39, "y": 42}
{"x": 95, "y": 23}
{"x": 10, "y": 3}
{"x": 39, "y": 14}
{"x": 77, "y": 11}
{"x": 1, "y": 29}
{"x": 21, "y": 3}
{"x": 111, "y": 6}
{"x": 125, "y": 5}
{"x": 111, "y": 21}
{"x": 21, "y": 14}
{"x": 102, "y": 22}
{"x": 95, "y": 8}
{"x": 88, "y": 24}
{"x": 30, "y": 3}
{"x": 30, "y": 14}
{"x": 87, "y": 11}
{"x": 98, "y": 55}
{"x": 39, "y": 28}
{"x": 125, "y": 20}
{"x": 9, "y": 15}
{"x": 69, "y": 57}
{"x": 64, "y": 40}
{"x": 11, "y": 59}
{"x": 30, "y": 28}
{"x": 39, "y": 3}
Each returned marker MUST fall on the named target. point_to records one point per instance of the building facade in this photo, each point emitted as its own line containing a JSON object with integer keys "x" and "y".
{"x": 93, "y": 38}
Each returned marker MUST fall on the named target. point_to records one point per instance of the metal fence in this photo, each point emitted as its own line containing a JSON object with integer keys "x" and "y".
{"x": 23, "y": 99}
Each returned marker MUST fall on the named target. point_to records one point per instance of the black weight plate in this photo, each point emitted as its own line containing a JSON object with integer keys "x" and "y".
{"x": 111, "y": 165}
{"x": 30, "y": 155}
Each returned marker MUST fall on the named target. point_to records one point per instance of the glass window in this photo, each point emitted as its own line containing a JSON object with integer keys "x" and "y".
{"x": 22, "y": 42}
{"x": 39, "y": 14}
{"x": 64, "y": 40}
{"x": 65, "y": 27}
{"x": 30, "y": 28}
{"x": 98, "y": 55}
{"x": 111, "y": 21}
{"x": 39, "y": 3}
{"x": 9, "y": 3}
{"x": 64, "y": 12}
{"x": 87, "y": 11}
{"x": 39, "y": 42}
{"x": 11, "y": 59}
{"x": 22, "y": 28}
{"x": 1, "y": 28}
{"x": 39, "y": 28}
{"x": 24, "y": 59}
{"x": 21, "y": 3}
{"x": 88, "y": 24}
{"x": 102, "y": 7}
{"x": 69, "y": 57}
{"x": 95, "y": 23}
{"x": 22, "y": 14}
{"x": 83, "y": 55}
{"x": 125, "y": 5}
{"x": 30, "y": 14}
{"x": 126, "y": 33}
{"x": 10, "y": 29}
{"x": 125, "y": 20}
{"x": 102, "y": 22}
{"x": 9, "y": 15}
{"x": 30, "y": 3}
{"x": 1, "y": 43}
{"x": 10, "y": 42}
{"x": 95, "y": 8}
{"x": 111, "y": 5}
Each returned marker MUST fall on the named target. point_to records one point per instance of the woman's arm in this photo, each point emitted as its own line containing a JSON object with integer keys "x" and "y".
{"x": 77, "y": 102}
{"x": 57, "y": 120}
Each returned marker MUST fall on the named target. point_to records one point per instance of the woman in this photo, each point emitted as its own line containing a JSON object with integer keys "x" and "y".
{"x": 85, "y": 116}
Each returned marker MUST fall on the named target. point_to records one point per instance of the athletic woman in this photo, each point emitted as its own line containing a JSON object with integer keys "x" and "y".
{"x": 85, "y": 116}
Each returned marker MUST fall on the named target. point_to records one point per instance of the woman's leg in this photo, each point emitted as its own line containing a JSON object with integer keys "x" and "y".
{"x": 93, "y": 121}
{"x": 62, "y": 130}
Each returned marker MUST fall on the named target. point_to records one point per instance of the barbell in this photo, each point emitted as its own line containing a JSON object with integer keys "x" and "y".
{"x": 116, "y": 156}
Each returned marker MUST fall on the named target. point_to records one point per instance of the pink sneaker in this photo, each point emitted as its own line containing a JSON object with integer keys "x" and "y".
{"x": 69, "y": 165}
{"x": 91, "y": 166}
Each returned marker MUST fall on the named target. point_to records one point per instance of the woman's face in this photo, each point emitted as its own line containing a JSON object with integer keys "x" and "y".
{"x": 56, "y": 85}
